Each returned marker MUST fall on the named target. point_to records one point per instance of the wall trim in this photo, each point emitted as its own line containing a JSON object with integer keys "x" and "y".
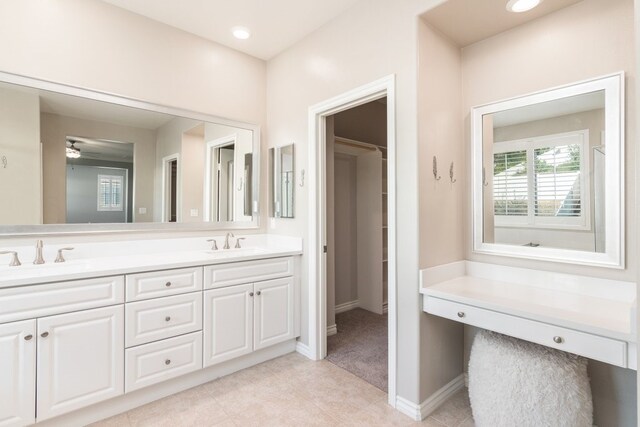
{"x": 304, "y": 350}
{"x": 332, "y": 330}
{"x": 442, "y": 395}
{"x": 346, "y": 306}
{"x": 408, "y": 408}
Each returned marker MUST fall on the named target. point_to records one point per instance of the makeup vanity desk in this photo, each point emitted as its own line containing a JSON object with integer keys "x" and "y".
{"x": 594, "y": 318}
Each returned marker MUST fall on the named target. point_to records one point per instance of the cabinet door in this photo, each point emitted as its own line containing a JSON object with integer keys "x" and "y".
{"x": 18, "y": 373}
{"x": 228, "y": 323}
{"x": 273, "y": 312}
{"x": 80, "y": 359}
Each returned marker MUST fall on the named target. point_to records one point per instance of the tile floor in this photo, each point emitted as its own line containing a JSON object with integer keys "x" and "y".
{"x": 288, "y": 391}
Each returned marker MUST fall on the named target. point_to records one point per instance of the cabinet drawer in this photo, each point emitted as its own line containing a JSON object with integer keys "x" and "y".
{"x": 28, "y": 302}
{"x": 161, "y": 318}
{"x": 235, "y": 273}
{"x": 163, "y": 283}
{"x": 592, "y": 346}
{"x": 159, "y": 361}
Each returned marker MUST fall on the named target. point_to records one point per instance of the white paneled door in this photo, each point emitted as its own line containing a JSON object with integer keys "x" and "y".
{"x": 17, "y": 373}
{"x": 273, "y": 312}
{"x": 80, "y": 359}
{"x": 228, "y": 323}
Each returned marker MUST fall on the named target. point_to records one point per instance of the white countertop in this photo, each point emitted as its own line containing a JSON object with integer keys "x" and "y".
{"x": 138, "y": 256}
{"x": 610, "y": 315}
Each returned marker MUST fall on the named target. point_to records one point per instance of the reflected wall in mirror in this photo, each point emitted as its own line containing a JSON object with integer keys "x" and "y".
{"x": 548, "y": 173}
{"x": 282, "y": 178}
{"x": 80, "y": 160}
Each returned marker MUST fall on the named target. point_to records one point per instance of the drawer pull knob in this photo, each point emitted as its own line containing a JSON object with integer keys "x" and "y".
{"x": 250, "y": 294}
{"x": 558, "y": 340}
{"x": 258, "y": 293}
{"x": 44, "y": 334}
{"x": 168, "y": 318}
{"x": 461, "y": 314}
{"x": 168, "y": 284}
{"x": 28, "y": 337}
{"x": 167, "y": 362}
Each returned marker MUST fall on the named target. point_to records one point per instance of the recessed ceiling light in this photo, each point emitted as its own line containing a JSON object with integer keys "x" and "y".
{"x": 241, "y": 33}
{"x": 518, "y": 6}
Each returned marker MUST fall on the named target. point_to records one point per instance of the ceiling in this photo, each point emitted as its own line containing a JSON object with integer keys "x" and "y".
{"x": 97, "y": 149}
{"x": 275, "y": 24}
{"x": 469, "y": 21}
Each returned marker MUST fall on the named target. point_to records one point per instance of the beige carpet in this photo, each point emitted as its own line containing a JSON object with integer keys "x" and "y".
{"x": 360, "y": 346}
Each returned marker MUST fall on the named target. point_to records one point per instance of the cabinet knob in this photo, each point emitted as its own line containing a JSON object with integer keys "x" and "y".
{"x": 28, "y": 337}
{"x": 168, "y": 284}
{"x": 558, "y": 340}
{"x": 44, "y": 334}
{"x": 166, "y": 319}
{"x": 250, "y": 294}
{"x": 258, "y": 293}
{"x": 461, "y": 314}
{"x": 167, "y": 362}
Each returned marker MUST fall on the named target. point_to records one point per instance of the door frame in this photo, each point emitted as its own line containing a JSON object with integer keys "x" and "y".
{"x": 318, "y": 113}
{"x": 166, "y": 173}
{"x": 208, "y": 198}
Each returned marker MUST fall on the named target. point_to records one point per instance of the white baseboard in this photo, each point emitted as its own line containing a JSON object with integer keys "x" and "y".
{"x": 304, "y": 350}
{"x": 420, "y": 412}
{"x": 346, "y": 306}
{"x": 332, "y": 330}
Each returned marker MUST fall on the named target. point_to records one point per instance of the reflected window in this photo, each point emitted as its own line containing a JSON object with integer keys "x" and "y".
{"x": 110, "y": 193}
{"x": 539, "y": 182}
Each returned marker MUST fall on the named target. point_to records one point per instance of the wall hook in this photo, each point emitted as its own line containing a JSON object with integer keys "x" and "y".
{"x": 484, "y": 177}
{"x": 4, "y": 162}
{"x": 240, "y": 185}
{"x": 453, "y": 180}
{"x": 435, "y": 169}
{"x": 301, "y": 178}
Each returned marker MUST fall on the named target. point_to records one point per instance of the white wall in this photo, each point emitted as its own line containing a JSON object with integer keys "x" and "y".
{"x": 20, "y": 180}
{"x": 370, "y": 40}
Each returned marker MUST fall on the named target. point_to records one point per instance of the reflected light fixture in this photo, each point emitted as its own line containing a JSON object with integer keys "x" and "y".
{"x": 241, "y": 33}
{"x": 73, "y": 152}
{"x": 518, "y": 6}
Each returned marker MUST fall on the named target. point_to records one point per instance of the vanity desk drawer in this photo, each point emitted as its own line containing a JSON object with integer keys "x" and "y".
{"x": 29, "y": 302}
{"x": 588, "y": 345}
{"x": 162, "y": 318}
{"x": 162, "y": 283}
{"x": 236, "y": 273}
{"x": 159, "y": 361}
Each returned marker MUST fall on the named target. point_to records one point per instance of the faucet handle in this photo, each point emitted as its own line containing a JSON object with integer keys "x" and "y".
{"x": 214, "y": 244}
{"x": 238, "y": 242}
{"x": 14, "y": 258}
{"x": 60, "y": 258}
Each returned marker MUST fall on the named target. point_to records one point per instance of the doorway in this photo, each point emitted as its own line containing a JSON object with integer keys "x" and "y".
{"x": 171, "y": 186}
{"x": 319, "y": 116}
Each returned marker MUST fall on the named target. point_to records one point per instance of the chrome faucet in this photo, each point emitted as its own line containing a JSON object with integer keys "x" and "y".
{"x": 39, "y": 259}
{"x": 237, "y": 246}
{"x": 226, "y": 241}
{"x": 60, "y": 257}
{"x": 14, "y": 258}
{"x": 214, "y": 244}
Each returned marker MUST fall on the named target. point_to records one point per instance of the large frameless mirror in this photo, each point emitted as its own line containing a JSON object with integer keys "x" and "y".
{"x": 101, "y": 162}
{"x": 548, "y": 174}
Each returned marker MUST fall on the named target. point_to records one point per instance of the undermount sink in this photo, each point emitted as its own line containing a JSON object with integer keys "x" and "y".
{"x": 223, "y": 253}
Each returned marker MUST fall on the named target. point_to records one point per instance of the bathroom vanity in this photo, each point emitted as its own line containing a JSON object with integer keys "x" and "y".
{"x": 113, "y": 330}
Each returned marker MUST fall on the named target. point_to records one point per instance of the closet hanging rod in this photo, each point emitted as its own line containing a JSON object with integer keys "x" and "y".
{"x": 357, "y": 144}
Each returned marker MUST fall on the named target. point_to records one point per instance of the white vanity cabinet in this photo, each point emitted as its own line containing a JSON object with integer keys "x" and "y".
{"x": 241, "y": 318}
{"x": 64, "y": 351}
{"x": 80, "y": 359}
{"x": 17, "y": 373}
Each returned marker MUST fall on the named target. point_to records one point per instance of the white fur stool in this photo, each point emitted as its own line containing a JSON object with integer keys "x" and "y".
{"x": 518, "y": 383}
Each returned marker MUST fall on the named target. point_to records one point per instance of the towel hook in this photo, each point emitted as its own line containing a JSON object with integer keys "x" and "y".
{"x": 4, "y": 162}
{"x": 484, "y": 177}
{"x": 435, "y": 169}
{"x": 240, "y": 185}
{"x": 301, "y": 178}
{"x": 453, "y": 180}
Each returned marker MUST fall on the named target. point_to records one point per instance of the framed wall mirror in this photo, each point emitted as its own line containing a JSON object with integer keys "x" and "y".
{"x": 79, "y": 160}
{"x": 548, "y": 174}
{"x": 282, "y": 178}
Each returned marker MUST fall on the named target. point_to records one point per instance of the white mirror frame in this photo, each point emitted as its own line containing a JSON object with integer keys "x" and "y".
{"x": 613, "y": 257}
{"x": 11, "y": 231}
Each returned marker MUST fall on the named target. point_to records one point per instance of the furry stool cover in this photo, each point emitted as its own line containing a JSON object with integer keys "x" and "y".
{"x": 518, "y": 383}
